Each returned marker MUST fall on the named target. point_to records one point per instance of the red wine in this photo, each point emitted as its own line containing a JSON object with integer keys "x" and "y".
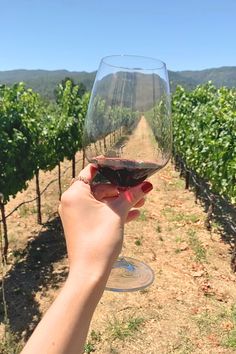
{"x": 125, "y": 173}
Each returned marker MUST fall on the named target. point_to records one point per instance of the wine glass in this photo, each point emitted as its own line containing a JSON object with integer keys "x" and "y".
{"x": 128, "y": 136}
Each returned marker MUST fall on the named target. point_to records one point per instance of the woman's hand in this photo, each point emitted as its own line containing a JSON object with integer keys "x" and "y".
{"x": 93, "y": 219}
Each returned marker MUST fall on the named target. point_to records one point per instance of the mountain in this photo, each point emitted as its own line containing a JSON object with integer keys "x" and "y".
{"x": 224, "y": 76}
{"x": 134, "y": 88}
{"x": 45, "y": 81}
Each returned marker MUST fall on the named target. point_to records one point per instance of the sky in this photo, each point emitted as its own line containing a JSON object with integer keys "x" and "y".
{"x": 75, "y": 35}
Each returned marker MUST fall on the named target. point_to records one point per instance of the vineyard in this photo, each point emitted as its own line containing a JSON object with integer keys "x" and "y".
{"x": 38, "y": 139}
{"x": 205, "y": 135}
{"x": 35, "y": 136}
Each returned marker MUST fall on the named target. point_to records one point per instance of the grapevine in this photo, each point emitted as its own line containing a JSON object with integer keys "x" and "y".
{"x": 205, "y": 135}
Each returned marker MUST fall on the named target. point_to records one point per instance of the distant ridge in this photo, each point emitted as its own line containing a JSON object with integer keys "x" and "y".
{"x": 45, "y": 81}
{"x": 223, "y": 76}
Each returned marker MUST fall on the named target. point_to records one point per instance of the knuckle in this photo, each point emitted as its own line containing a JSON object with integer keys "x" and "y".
{"x": 66, "y": 199}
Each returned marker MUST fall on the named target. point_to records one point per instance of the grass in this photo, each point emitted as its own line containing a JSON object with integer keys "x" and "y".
{"x": 230, "y": 339}
{"x": 222, "y": 324}
{"x": 197, "y": 246}
{"x": 90, "y": 346}
{"x": 216, "y": 226}
{"x": 179, "y": 239}
{"x": 177, "y": 183}
{"x": 47, "y": 209}
{"x": 25, "y": 210}
{"x": 184, "y": 344}
{"x": 175, "y": 216}
{"x": 138, "y": 242}
{"x": 18, "y": 255}
{"x": 121, "y": 329}
{"x": 10, "y": 343}
{"x": 143, "y": 215}
{"x": 206, "y": 321}
{"x": 95, "y": 336}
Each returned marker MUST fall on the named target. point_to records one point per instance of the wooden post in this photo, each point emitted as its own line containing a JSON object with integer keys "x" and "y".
{"x": 59, "y": 180}
{"x": 187, "y": 179}
{"x": 4, "y": 249}
{"x": 104, "y": 144}
{"x": 208, "y": 220}
{"x": 38, "y": 199}
{"x": 73, "y": 167}
{"x": 83, "y": 161}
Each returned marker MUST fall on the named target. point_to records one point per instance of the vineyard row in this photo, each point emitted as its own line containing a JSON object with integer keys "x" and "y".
{"x": 38, "y": 136}
{"x": 205, "y": 135}
{"x": 35, "y": 136}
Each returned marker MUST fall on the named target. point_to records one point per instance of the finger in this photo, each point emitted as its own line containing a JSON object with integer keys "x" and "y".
{"x": 88, "y": 173}
{"x": 83, "y": 182}
{"x": 102, "y": 191}
{"x": 133, "y": 214}
{"x": 140, "y": 203}
{"x": 133, "y": 195}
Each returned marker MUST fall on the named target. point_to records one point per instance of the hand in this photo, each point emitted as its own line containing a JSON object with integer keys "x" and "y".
{"x": 93, "y": 219}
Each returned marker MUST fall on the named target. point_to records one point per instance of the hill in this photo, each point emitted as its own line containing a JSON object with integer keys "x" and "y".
{"x": 45, "y": 81}
{"x": 224, "y": 76}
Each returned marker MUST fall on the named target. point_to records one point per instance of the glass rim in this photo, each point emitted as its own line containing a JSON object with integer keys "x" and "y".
{"x": 105, "y": 60}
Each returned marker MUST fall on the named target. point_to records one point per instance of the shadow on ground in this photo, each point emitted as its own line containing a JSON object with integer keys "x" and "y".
{"x": 218, "y": 208}
{"x": 33, "y": 273}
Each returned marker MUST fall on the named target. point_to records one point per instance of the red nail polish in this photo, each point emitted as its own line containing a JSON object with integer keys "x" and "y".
{"x": 146, "y": 187}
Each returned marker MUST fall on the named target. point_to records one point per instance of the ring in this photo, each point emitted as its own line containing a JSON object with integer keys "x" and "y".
{"x": 80, "y": 178}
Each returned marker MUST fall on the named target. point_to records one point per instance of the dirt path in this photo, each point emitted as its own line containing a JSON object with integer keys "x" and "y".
{"x": 190, "y": 307}
{"x": 141, "y": 145}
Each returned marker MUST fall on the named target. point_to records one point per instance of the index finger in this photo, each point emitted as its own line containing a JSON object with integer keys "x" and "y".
{"x": 88, "y": 173}
{"x": 130, "y": 197}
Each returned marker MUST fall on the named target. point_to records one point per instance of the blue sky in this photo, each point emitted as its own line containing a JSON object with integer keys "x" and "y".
{"x": 74, "y": 35}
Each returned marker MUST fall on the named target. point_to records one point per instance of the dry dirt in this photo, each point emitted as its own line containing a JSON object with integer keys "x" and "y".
{"x": 188, "y": 309}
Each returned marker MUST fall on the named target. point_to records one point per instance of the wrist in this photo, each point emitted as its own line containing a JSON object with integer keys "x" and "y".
{"x": 93, "y": 281}
{"x": 92, "y": 268}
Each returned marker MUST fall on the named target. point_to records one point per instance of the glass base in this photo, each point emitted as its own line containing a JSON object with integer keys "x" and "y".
{"x": 128, "y": 274}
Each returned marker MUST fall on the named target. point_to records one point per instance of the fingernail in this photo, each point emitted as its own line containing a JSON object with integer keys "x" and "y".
{"x": 146, "y": 187}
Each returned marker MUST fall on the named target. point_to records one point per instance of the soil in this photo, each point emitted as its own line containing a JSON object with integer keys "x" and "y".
{"x": 189, "y": 308}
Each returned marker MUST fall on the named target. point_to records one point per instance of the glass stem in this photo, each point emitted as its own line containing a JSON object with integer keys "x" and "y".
{"x": 122, "y": 263}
